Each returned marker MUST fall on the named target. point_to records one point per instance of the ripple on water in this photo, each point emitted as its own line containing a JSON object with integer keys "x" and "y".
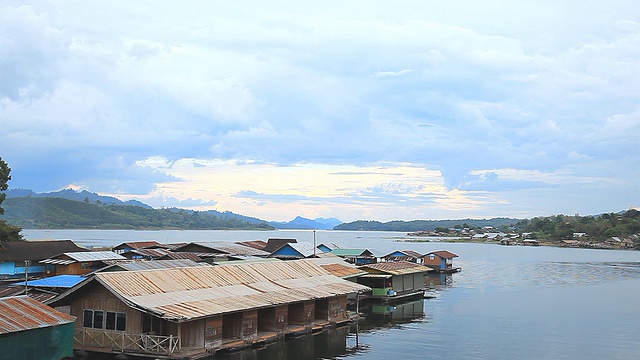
{"x": 479, "y": 274}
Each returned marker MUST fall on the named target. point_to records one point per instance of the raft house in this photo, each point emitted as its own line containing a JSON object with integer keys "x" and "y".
{"x": 194, "y": 312}
{"x": 441, "y": 261}
{"x": 394, "y": 281}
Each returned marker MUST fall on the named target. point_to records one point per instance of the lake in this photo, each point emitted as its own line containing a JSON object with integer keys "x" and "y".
{"x": 509, "y": 302}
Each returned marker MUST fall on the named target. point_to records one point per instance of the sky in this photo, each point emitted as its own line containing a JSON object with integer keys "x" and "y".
{"x": 358, "y": 110}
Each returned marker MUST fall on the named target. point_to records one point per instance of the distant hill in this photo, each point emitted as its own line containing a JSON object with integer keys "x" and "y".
{"x": 91, "y": 198}
{"x": 71, "y": 194}
{"x": 307, "y": 224}
{"x": 419, "y": 225}
{"x": 59, "y": 213}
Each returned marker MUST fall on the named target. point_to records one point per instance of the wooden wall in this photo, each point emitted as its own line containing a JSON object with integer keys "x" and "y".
{"x": 213, "y": 331}
{"x": 302, "y": 313}
{"x": 96, "y": 297}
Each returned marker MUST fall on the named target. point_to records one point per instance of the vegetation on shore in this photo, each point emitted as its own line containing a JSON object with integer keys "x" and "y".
{"x": 58, "y": 213}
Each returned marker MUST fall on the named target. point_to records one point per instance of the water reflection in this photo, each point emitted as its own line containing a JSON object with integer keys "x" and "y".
{"x": 510, "y": 275}
{"x": 338, "y": 342}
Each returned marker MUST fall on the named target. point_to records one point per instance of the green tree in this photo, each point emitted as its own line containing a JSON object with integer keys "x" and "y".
{"x": 7, "y": 232}
{"x": 5, "y": 170}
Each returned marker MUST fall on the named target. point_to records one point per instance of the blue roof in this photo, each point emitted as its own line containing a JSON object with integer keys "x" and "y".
{"x": 62, "y": 281}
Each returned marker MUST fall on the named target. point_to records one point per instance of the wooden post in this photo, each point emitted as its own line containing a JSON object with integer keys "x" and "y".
{"x": 179, "y": 336}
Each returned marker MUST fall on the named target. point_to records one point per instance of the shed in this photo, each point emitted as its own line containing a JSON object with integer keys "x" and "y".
{"x": 31, "y": 330}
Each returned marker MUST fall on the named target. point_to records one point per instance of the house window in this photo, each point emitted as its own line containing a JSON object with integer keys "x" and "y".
{"x": 93, "y": 319}
{"x": 116, "y": 321}
{"x": 96, "y": 319}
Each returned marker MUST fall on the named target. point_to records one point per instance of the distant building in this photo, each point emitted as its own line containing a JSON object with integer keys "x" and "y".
{"x": 441, "y": 260}
{"x": 80, "y": 263}
{"x": 16, "y": 257}
{"x": 135, "y": 245}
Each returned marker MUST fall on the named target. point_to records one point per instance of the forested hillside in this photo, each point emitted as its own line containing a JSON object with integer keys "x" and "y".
{"x": 420, "y": 225}
{"x": 600, "y": 227}
{"x": 57, "y": 213}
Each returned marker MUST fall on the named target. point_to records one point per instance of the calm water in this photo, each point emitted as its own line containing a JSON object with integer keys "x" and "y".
{"x": 509, "y": 302}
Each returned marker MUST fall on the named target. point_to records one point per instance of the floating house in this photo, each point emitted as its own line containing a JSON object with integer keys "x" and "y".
{"x": 31, "y": 330}
{"x": 135, "y": 245}
{"x": 274, "y": 244}
{"x": 18, "y": 257}
{"x": 327, "y": 247}
{"x": 404, "y": 255}
{"x": 356, "y": 256}
{"x": 194, "y": 312}
{"x": 295, "y": 251}
{"x": 146, "y": 254}
{"x": 441, "y": 260}
{"x": 392, "y": 281}
{"x": 220, "y": 249}
{"x": 80, "y": 263}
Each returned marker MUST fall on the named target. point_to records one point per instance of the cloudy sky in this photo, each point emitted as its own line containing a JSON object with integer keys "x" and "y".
{"x": 370, "y": 110}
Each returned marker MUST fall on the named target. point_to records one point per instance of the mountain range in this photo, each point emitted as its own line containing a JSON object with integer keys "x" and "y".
{"x": 87, "y": 197}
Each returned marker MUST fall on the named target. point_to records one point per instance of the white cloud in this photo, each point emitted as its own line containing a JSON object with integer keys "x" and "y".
{"x": 504, "y": 101}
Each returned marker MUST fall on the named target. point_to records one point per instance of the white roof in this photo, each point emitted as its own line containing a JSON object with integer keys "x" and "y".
{"x": 83, "y": 256}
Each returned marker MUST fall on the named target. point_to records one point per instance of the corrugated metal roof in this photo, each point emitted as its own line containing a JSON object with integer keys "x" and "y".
{"x": 137, "y": 244}
{"x": 231, "y": 248}
{"x": 349, "y": 252}
{"x": 443, "y": 254}
{"x": 20, "y": 313}
{"x": 304, "y": 249}
{"x": 256, "y": 244}
{"x": 343, "y": 271}
{"x": 189, "y": 293}
{"x": 152, "y": 253}
{"x": 71, "y": 257}
{"x": 396, "y": 268}
{"x": 158, "y": 264}
{"x": 407, "y": 253}
{"x": 36, "y": 294}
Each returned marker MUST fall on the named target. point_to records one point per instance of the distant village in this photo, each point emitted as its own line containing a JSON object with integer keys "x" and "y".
{"x": 490, "y": 234}
{"x": 192, "y": 300}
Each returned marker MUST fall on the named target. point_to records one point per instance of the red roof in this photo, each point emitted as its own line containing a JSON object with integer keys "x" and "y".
{"x": 137, "y": 245}
{"x": 443, "y": 254}
{"x": 256, "y": 244}
{"x": 19, "y": 313}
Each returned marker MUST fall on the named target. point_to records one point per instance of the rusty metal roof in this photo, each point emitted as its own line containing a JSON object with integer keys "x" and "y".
{"x": 396, "y": 268}
{"x": 137, "y": 245}
{"x": 226, "y": 248}
{"x": 153, "y": 265}
{"x": 343, "y": 271}
{"x": 20, "y": 313}
{"x": 443, "y": 254}
{"x": 184, "y": 294}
